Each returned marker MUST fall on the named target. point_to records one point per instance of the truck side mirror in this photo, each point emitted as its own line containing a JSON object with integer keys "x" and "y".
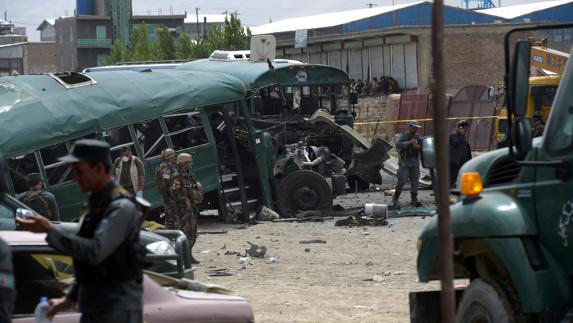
{"x": 519, "y": 78}
{"x": 428, "y": 153}
{"x": 522, "y": 135}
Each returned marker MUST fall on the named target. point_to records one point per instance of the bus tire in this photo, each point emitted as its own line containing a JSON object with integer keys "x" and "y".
{"x": 486, "y": 301}
{"x": 303, "y": 190}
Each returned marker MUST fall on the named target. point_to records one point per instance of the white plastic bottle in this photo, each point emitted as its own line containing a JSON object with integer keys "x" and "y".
{"x": 41, "y": 312}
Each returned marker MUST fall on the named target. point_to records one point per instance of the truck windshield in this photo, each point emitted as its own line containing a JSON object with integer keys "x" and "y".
{"x": 560, "y": 128}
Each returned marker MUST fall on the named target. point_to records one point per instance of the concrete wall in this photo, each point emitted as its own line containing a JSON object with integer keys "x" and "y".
{"x": 40, "y": 58}
{"x": 66, "y": 44}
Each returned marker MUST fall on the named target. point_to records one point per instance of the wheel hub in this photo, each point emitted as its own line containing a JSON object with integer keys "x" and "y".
{"x": 306, "y": 198}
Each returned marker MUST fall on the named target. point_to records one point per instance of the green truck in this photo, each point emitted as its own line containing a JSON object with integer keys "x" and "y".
{"x": 513, "y": 224}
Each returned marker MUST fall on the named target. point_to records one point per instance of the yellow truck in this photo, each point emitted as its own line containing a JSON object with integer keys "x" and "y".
{"x": 549, "y": 63}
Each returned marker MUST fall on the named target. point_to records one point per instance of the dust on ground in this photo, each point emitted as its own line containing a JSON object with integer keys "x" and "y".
{"x": 361, "y": 274}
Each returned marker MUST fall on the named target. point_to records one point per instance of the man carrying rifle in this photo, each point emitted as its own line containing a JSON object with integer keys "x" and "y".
{"x": 185, "y": 192}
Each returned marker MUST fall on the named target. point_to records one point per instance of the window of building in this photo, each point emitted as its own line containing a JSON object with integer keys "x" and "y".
{"x": 150, "y": 138}
{"x": 186, "y": 129}
{"x": 20, "y": 167}
{"x": 100, "y": 32}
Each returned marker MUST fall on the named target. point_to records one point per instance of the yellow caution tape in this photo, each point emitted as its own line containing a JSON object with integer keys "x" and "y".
{"x": 427, "y": 119}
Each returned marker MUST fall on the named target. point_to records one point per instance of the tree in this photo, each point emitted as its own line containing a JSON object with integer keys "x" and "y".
{"x": 235, "y": 36}
{"x": 184, "y": 46}
{"x": 141, "y": 48}
{"x": 118, "y": 53}
{"x": 166, "y": 48}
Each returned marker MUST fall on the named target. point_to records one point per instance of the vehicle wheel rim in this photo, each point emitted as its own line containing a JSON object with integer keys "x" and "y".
{"x": 305, "y": 198}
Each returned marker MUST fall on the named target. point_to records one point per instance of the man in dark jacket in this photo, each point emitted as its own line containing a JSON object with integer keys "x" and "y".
{"x": 43, "y": 202}
{"x": 408, "y": 145}
{"x": 108, "y": 258}
{"x": 460, "y": 151}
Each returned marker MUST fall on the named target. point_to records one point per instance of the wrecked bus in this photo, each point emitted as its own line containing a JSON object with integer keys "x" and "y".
{"x": 147, "y": 111}
{"x": 306, "y": 110}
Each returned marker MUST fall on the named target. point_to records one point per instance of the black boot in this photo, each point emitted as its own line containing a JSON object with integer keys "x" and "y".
{"x": 414, "y": 200}
{"x": 395, "y": 205}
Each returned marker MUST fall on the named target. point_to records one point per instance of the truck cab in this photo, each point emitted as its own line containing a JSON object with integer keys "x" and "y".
{"x": 513, "y": 223}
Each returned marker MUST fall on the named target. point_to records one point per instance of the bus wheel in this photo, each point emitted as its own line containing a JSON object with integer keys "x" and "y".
{"x": 304, "y": 190}
{"x": 486, "y": 302}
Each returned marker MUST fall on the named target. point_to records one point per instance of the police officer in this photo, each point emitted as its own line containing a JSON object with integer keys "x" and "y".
{"x": 37, "y": 199}
{"x": 186, "y": 194}
{"x": 163, "y": 176}
{"x": 7, "y": 291}
{"x": 408, "y": 145}
{"x": 108, "y": 257}
{"x": 460, "y": 151}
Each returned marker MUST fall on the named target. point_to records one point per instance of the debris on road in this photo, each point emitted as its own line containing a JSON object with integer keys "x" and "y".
{"x": 356, "y": 221}
{"x": 311, "y": 241}
{"x": 267, "y": 214}
{"x": 306, "y": 249}
{"x": 212, "y": 232}
{"x": 219, "y": 272}
{"x": 232, "y": 253}
{"x": 256, "y": 251}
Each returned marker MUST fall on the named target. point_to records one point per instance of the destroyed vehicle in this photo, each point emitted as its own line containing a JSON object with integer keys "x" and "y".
{"x": 308, "y": 105}
{"x": 40, "y": 270}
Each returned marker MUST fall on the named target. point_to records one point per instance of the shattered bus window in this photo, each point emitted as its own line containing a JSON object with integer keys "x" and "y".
{"x": 56, "y": 171}
{"x": 118, "y": 138}
{"x": 186, "y": 129}
{"x": 20, "y": 167}
{"x": 150, "y": 137}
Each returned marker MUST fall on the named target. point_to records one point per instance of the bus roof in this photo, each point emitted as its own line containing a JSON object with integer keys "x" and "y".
{"x": 38, "y": 111}
{"x": 258, "y": 74}
{"x": 131, "y": 67}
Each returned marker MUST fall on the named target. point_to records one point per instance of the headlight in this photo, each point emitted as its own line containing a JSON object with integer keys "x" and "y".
{"x": 162, "y": 248}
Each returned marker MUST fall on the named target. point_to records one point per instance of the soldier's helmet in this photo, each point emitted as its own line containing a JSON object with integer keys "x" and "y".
{"x": 167, "y": 154}
{"x": 183, "y": 158}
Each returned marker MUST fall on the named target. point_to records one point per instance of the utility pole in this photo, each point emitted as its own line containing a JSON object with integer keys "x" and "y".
{"x": 445, "y": 245}
{"x": 197, "y": 15}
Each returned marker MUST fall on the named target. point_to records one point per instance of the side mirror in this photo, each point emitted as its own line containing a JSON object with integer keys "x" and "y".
{"x": 519, "y": 78}
{"x": 522, "y": 135}
{"x": 428, "y": 153}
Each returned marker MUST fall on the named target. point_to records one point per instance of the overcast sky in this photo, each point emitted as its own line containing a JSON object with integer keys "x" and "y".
{"x": 30, "y": 13}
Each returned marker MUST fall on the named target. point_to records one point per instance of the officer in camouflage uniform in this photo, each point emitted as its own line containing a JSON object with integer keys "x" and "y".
{"x": 186, "y": 194}
{"x": 37, "y": 199}
{"x": 163, "y": 177}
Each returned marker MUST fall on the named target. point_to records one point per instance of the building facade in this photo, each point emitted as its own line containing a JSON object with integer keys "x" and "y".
{"x": 28, "y": 58}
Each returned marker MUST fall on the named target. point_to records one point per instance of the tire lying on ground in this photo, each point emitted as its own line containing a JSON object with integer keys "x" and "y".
{"x": 303, "y": 190}
{"x": 486, "y": 301}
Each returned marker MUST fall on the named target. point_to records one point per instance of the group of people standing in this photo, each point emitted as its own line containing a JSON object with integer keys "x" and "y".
{"x": 409, "y": 145}
{"x": 106, "y": 251}
{"x": 180, "y": 193}
{"x": 383, "y": 86}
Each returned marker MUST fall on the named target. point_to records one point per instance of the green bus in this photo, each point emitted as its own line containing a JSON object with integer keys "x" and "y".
{"x": 146, "y": 110}
{"x": 290, "y": 100}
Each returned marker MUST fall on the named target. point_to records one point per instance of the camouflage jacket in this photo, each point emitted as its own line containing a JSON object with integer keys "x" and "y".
{"x": 184, "y": 186}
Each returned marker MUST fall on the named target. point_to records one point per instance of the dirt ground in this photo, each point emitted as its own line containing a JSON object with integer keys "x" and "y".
{"x": 361, "y": 274}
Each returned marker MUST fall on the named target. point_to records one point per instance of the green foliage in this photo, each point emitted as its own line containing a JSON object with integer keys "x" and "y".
{"x": 118, "y": 53}
{"x": 141, "y": 47}
{"x": 184, "y": 46}
{"x": 166, "y": 46}
{"x": 235, "y": 35}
